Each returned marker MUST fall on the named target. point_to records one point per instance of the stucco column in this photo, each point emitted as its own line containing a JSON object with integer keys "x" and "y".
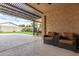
{"x": 33, "y": 27}
{"x": 44, "y": 30}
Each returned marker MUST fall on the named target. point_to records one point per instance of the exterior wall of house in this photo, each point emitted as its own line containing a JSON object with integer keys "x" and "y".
{"x": 63, "y": 18}
{"x": 10, "y": 29}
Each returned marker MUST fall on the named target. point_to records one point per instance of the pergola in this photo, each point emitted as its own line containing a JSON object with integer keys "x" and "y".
{"x": 21, "y": 10}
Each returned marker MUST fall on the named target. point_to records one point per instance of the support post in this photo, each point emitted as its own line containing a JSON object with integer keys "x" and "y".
{"x": 45, "y": 29}
{"x": 33, "y": 27}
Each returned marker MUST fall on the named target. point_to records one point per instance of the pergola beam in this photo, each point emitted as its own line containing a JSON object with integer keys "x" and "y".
{"x": 23, "y": 10}
{"x": 34, "y": 8}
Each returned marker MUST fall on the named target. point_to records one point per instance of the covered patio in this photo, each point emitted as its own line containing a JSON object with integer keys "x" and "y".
{"x": 55, "y": 19}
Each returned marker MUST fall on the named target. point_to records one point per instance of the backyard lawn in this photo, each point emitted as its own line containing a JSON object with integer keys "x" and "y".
{"x": 16, "y": 33}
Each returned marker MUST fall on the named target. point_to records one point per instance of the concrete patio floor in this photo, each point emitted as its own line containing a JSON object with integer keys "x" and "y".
{"x": 8, "y": 41}
{"x": 28, "y": 45}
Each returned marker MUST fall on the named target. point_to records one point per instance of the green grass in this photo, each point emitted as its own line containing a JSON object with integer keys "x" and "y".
{"x": 16, "y": 33}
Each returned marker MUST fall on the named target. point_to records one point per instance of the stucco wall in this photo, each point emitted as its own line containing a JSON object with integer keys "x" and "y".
{"x": 63, "y": 18}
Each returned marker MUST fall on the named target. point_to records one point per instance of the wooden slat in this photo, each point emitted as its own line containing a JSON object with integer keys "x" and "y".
{"x": 8, "y": 8}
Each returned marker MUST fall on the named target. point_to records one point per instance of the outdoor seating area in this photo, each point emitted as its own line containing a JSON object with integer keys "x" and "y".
{"x": 65, "y": 40}
{"x": 54, "y": 29}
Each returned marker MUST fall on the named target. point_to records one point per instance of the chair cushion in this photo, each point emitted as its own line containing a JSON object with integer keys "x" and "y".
{"x": 48, "y": 38}
{"x": 68, "y": 35}
{"x": 68, "y": 42}
{"x": 50, "y": 34}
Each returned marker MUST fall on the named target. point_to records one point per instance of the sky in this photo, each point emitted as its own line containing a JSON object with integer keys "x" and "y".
{"x": 13, "y": 19}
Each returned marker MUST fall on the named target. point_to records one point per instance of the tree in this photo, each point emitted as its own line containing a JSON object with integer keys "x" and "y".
{"x": 27, "y": 28}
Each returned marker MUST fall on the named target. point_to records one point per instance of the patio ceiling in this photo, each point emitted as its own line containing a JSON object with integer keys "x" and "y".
{"x": 44, "y": 7}
{"x": 20, "y": 10}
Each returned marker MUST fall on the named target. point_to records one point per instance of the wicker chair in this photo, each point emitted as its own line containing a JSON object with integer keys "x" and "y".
{"x": 51, "y": 38}
{"x": 68, "y": 42}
